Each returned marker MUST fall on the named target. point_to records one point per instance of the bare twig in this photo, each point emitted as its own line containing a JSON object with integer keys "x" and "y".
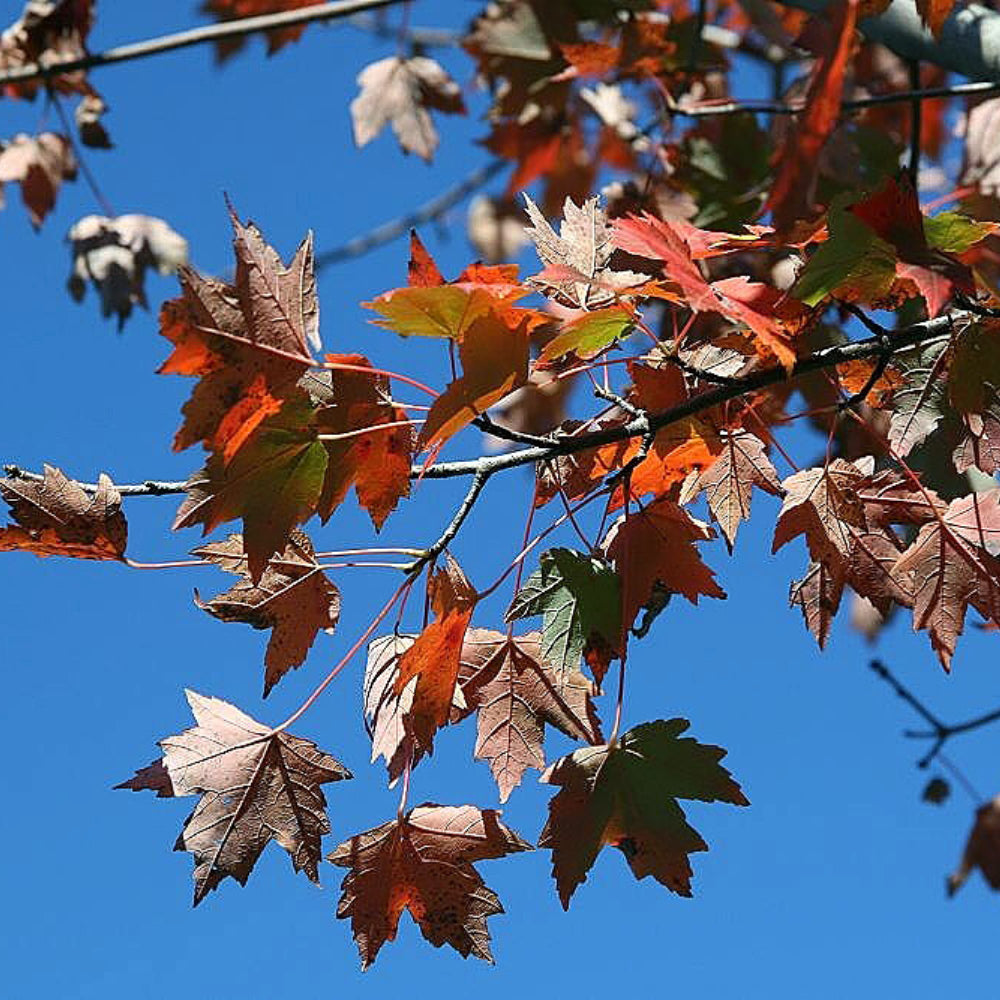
{"x": 427, "y": 212}
{"x": 940, "y": 732}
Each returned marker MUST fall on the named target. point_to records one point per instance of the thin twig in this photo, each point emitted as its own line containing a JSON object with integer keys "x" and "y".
{"x": 88, "y": 176}
{"x": 427, "y": 212}
{"x": 913, "y": 167}
{"x": 237, "y": 28}
{"x": 479, "y": 480}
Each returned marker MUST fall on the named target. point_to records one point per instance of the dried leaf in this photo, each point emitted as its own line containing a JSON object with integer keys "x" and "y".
{"x": 982, "y": 849}
{"x": 47, "y": 31}
{"x": 228, "y": 10}
{"x": 40, "y": 164}
{"x": 399, "y": 92}
{"x": 791, "y": 198}
{"x": 56, "y": 517}
{"x": 293, "y": 598}
{"x": 88, "y": 115}
{"x": 423, "y": 863}
{"x": 626, "y": 796}
{"x": 114, "y": 254}
{"x": 580, "y": 254}
{"x": 515, "y": 693}
{"x": 728, "y": 482}
{"x": 256, "y": 784}
{"x": 952, "y": 564}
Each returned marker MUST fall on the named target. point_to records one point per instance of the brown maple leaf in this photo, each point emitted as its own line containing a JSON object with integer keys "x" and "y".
{"x": 823, "y": 505}
{"x": 982, "y": 849}
{"x": 399, "y": 92}
{"x": 434, "y": 658}
{"x": 729, "y": 481}
{"x": 40, "y": 164}
{"x": 56, "y": 517}
{"x": 655, "y": 546}
{"x": 951, "y": 564}
{"x": 114, "y": 254}
{"x": 423, "y": 862}
{"x": 293, "y": 598}
{"x": 256, "y": 784}
{"x": 247, "y": 342}
{"x": 516, "y": 693}
{"x": 577, "y": 259}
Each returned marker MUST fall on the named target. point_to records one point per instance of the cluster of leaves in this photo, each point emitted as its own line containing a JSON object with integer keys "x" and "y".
{"x": 721, "y": 324}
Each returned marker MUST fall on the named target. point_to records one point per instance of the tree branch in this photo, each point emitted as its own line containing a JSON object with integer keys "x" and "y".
{"x": 901, "y": 340}
{"x": 940, "y": 732}
{"x": 969, "y": 44}
{"x": 427, "y": 212}
{"x": 194, "y": 36}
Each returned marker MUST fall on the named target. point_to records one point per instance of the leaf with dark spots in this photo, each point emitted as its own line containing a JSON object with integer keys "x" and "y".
{"x": 423, "y": 862}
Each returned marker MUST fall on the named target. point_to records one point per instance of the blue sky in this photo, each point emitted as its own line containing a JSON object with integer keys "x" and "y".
{"x": 830, "y": 884}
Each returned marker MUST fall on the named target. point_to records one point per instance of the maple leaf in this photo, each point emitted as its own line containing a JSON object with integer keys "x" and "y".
{"x": 589, "y": 334}
{"x": 818, "y": 596}
{"x": 434, "y": 658}
{"x": 48, "y": 31}
{"x": 274, "y": 483}
{"x": 516, "y": 693}
{"x": 625, "y": 795}
{"x": 982, "y": 849}
{"x": 423, "y": 862}
{"x": 40, "y": 164}
{"x": 56, "y": 517}
{"x": 974, "y": 391}
{"x": 773, "y": 317}
{"x": 377, "y": 461}
{"x": 952, "y": 564}
{"x": 257, "y": 785}
{"x": 579, "y": 256}
{"x": 823, "y": 505}
{"x": 729, "y": 481}
{"x": 654, "y": 546}
{"x": 578, "y": 598}
{"x": 277, "y": 38}
{"x": 919, "y": 404}
{"x": 399, "y": 92}
{"x": 293, "y": 598}
{"x": 792, "y": 193}
{"x": 248, "y": 342}
{"x": 494, "y": 359}
{"x": 114, "y": 254}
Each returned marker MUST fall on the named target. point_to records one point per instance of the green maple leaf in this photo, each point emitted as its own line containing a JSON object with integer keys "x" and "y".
{"x": 578, "y": 599}
{"x": 625, "y": 795}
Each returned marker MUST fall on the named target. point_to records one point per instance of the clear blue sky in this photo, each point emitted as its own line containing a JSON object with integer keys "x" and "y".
{"x": 830, "y": 885}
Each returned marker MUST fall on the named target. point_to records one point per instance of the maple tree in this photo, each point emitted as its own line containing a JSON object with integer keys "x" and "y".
{"x": 706, "y": 294}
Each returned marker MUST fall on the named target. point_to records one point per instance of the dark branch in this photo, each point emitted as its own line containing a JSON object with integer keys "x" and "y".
{"x": 940, "y": 732}
{"x": 901, "y": 340}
